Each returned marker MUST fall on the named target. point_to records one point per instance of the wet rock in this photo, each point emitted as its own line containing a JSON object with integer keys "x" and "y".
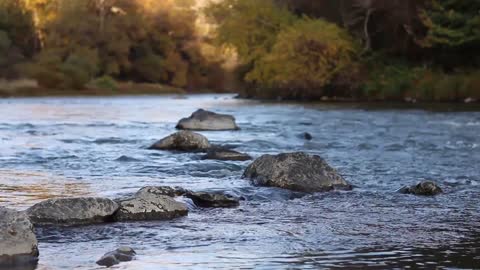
{"x": 306, "y": 136}
{"x": 205, "y": 120}
{"x": 205, "y": 199}
{"x": 295, "y": 171}
{"x": 18, "y": 244}
{"x": 469, "y": 100}
{"x": 183, "y": 141}
{"x": 426, "y": 188}
{"x": 72, "y": 211}
{"x": 161, "y": 190}
{"x": 122, "y": 254}
{"x": 149, "y": 206}
{"x": 218, "y": 153}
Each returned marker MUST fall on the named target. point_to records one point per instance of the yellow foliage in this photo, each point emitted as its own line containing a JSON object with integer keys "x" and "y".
{"x": 306, "y": 55}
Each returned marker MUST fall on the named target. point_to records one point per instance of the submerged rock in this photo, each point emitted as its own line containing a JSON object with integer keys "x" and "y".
{"x": 121, "y": 254}
{"x": 18, "y": 244}
{"x": 72, "y": 211}
{"x": 205, "y": 199}
{"x": 149, "y": 206}
{"x": 307, "y": 136}
{"x": 161, "y": 190}
{"x": 183, "y": 141}
{"x": 205, "y": 120}
{"x": 295, "y": 171}
{"x": 426, "y": 188}
{"x": 218, "y": 153}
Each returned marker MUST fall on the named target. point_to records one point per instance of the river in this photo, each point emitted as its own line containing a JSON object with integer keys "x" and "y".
{"x": 67, "y": 147}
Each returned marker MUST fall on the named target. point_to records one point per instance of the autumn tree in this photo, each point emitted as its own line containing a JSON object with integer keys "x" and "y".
{"x": 304, "y": 60}
{"x": 249, "y": 26}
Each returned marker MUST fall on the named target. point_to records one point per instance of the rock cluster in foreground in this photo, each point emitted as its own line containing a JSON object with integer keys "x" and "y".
{"x": 295, "y": 171}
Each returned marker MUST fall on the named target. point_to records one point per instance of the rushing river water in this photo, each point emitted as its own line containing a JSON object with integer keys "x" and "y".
{"x": 52, "y": 147}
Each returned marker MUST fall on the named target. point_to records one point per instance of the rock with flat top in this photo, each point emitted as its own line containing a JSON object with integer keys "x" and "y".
{"x": 206, "y": 120}
{"x": 72, "y": 211}
{"x": 219, "y": 153}
{"x": 150, "y": 206}
{"x": 161, "y": 190}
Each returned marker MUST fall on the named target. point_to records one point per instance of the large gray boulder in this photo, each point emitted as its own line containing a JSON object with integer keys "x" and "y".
{"x": 205, "y": 120}
{"x": 72, "y": 211}
{"x": 183, "y": 141}
{"x": 295, "y": 171}
{"x": 18, "y": 244}
{"x": 150, "y": 206}
{"x": 425, "y": 188}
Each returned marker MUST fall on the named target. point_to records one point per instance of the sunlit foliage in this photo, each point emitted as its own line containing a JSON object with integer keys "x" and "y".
{"x": 249, "y": 26}
{"x": 306, "y": 55}
{"x": 145, "y": 41}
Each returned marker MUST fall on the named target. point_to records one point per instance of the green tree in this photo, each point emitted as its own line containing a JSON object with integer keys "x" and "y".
{"x": 249, "y": 26}
{"x": 453, "y": 33}
{"x": 452, "y": 23}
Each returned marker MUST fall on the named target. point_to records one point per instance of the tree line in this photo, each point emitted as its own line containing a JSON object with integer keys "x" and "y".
{"x": 67, "y": 44}
{"x": 291, "y": 49}
{"x": 370, "y": 49}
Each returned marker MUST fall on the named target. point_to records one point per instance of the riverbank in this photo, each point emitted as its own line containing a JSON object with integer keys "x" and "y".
{"x": 29, "y": 88}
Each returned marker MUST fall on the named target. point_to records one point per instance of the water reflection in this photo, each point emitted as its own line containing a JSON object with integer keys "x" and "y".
{"x": 21, "y": 189}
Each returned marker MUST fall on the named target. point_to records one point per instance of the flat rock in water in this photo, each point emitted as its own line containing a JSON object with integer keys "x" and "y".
{"x": 18, "y": 244}
{"x": 205, "y": 199}
{"x": 72, "y": 211}
{"x": 295, "y": 171}
{"x": 225, "y": 154}
{"x": 183, "y": 141}
{"x": 426, "y": 188}
{"x": 150, "y": 207}
{"x": 206, "y": 120}
{"x": 161, "y": 190}
{"x": 122, "y": 254}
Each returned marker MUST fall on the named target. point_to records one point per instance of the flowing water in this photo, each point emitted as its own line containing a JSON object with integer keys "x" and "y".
{"x": 67, "y": 147}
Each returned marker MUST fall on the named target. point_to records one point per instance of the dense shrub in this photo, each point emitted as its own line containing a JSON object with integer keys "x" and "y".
{"x": 390, "y": 81}
{"x": 249, "y": 26}
{"x": 304, "y": 58}
{"x": 105, "y": 83}
{"x": 62, "y": 70}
